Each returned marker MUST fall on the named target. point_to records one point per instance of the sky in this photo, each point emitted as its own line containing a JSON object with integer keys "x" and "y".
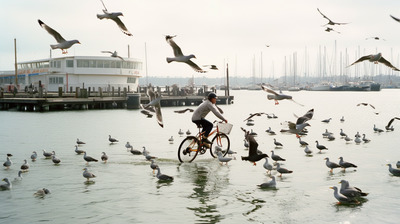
{"x": 220, "y": 32}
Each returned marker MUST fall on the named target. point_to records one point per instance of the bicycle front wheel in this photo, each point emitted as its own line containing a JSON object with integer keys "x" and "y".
{"x": 188, "y": 149}
{"x": 220, "y": 142}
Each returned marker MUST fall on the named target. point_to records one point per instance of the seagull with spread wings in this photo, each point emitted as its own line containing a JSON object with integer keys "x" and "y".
{"x": 154, "y": 105}
{"x": 114, "y": 16}
{"x": 113, "y": 54}
{"x": 276, "y": 96}
{"x": 330, "y": 22}
{"x": 389, "y": 126}
{"x": 375, "y": 58}
{"x": 179, "y": 57}
{"x": 62, "y": 43}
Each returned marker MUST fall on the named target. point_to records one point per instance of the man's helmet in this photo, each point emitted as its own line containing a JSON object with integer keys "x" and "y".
{"x": 211, "y": 95}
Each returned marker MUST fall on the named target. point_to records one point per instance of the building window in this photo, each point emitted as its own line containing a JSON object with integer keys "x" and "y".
{"x": 99, "y": 64}
{"x": 83, "y": 63}
{"x": 56, "y": 80}
{"x": 131, "y": 80}
{"x": 106, "y": 64}
{"x": 70, "y": 63}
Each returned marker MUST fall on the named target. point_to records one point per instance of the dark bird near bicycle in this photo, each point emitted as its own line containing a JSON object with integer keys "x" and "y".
{"x": 277, "y": 96}
{"x": 330, "y": 22}
{"x": 375, "y": 58}
{"x": 253, "y": 155}
{"x": 375, "y": 38}
{"x": 328, "y": 29}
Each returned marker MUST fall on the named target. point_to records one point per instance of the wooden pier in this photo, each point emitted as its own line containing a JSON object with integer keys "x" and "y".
{"x": 72, "y": 103}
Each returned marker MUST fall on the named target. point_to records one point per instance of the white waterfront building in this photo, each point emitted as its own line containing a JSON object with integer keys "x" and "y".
{"x": 75, "y": 71}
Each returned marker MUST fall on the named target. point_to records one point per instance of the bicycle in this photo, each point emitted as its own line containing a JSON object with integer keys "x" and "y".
{"x": 193, "y": 145}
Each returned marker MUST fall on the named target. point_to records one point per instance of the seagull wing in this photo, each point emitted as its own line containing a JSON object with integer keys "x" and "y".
{"x": 52, "y": 32}
{"x": 158, "y": 114}
{"x": 397, "y": 19}
{"x": 372, "y": 106}
{"x": 268, "y": 90}
{"x": 195, "y": 67}
{"x": 384, "y": 61}
{"x": 110, "y": 52}
{"x": 391, "y": 121}
{"x": 324, "y": 15}
{"x": 363, "y": 58}
{"x": 177, "y": 50}
{"x": 104, "y": 6}
{"x": 122, "y": 26}
{"x": 252, "y": 115}
{"x": 150, "y": 93}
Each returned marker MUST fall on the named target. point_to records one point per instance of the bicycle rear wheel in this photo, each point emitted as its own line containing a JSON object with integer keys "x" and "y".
{"x": 222, "y": 142}
{"x": 188, "y": 149}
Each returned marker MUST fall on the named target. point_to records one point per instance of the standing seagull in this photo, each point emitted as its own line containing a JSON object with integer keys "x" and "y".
{"x": 86, "y": 174}
{"x": 163, "y": 177}
{"x": 179, "y": 57}
{"x": 62, "y": 43}
{"x": 331, "y": 165}
{"x": 113, "y": 54}
{"x": 276, "y": 96}
{"x": 112, "y": 140}
{"x": 114, "y": 16}
{"x": 7, "y": 163}
{"x": 375, "y": 58}
{"x": 320, "y": 147}
{"x": 34, "y": 156}
{"x": 330, "y": 22}
{"x": 104, "y": 157}
{"x": 25, "y": 166}
{"x": 79, "y": 142}
{"x": 88, "y": 159}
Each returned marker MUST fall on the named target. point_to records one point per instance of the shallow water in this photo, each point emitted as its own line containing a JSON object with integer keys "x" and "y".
{"x": 126, "y": 190}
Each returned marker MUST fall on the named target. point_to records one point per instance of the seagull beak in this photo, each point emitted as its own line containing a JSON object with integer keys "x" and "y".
{"x": 331, "y": 187}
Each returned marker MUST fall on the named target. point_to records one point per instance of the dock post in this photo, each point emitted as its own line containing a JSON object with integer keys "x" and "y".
{"x": 1, "y": 92}
{"x": 89, "y": 91}
{"x": 133, "y": 101}
{"x": 112, "y": 92}
{"x": 60, "y": 91}
{"x": 125, "y": 91}
{"x": 119, "y": 91}
{"x": 77, "y": 90}
{"x": 101, "y": 92}
{"x": 40, "y": 89}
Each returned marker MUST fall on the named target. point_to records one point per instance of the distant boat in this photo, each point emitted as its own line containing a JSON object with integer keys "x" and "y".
{"x": 321, "y": 87}
{"x": 294, "y": 88}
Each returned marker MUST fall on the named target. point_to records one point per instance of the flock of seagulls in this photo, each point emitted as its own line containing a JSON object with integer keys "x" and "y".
{"x": 344, "y": 194}
{"x": 87, "y": 174}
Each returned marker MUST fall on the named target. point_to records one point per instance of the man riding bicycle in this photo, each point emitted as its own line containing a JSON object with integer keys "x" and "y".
{"x": 201, "y": 112}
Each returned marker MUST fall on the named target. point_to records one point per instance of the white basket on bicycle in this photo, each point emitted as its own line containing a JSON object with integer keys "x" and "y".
{"x": 225, "y": 128}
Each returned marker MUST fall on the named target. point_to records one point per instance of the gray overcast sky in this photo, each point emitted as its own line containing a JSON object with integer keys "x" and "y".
{"x": 216, "y": 31}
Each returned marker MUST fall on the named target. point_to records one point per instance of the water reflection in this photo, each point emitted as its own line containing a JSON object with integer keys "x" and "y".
{"x": 208, "y": 182}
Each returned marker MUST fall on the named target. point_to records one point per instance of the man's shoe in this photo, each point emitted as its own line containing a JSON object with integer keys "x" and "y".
{"x": 205, "y": 140}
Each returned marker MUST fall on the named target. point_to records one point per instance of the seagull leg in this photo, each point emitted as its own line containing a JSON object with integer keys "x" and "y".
{"x": 254, "y": 164}
{"x": 297, "y": 135}
{"x": 276, "y": 102}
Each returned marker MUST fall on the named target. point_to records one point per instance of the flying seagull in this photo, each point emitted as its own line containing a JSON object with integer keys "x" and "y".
{"x": 154, "y": 105}
{"x": 277, "y": 96}
{"x": 330, "y": 22}
{"x": 375, "y": 58}
{"x": 213, "y": 67}
{"x": 113, "y": 54}
{"x": 62, "y": 43}
{"x": 114, "y": 16}
{"x": 375, "y": 38}
{"x": 328, "y": 29}
{"x": 388, "y": 126}
{"x": 179, "y": 57}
